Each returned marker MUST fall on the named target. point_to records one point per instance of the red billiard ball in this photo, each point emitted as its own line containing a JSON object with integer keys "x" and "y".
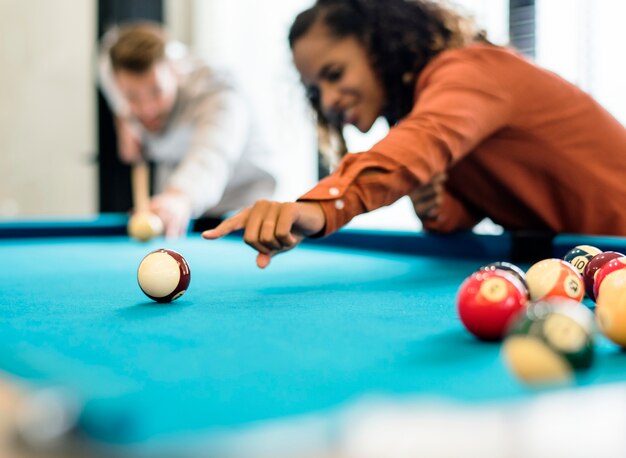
{"x": 554, "y": 278}
{"x": 592, "y": 267}
{"x": 487, "y": 301}
{"x": 163, "y": 275}
{"x": 508, "y": 267}
{"x": 607, "y": 269}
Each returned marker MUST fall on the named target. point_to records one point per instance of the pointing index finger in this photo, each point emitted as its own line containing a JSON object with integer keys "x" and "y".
{"x": 232, "y": 224}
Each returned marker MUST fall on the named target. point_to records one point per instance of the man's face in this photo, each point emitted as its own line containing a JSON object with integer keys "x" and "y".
{"x": 150, "y": 95}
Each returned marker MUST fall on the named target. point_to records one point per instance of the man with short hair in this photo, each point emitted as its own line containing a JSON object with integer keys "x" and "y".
{"x": 172, "y": 109}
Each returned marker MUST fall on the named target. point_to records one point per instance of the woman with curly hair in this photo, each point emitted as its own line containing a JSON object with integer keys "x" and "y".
{"x": 476, "y": 131}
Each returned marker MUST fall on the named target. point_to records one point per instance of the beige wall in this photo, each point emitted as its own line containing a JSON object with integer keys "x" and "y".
{"x": 47, "y": 108}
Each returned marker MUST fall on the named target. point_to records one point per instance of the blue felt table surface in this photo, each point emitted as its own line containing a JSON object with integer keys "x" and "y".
{"x": 318, "y": 329}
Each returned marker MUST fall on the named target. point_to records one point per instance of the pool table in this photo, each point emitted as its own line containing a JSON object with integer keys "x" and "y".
{"x": 250, "y": 362}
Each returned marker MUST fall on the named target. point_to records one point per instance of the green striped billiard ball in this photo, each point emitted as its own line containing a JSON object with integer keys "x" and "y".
{"x": 550, "y": 342}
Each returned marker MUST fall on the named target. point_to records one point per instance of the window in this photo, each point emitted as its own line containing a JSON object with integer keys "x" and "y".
{"x": 581, "y": 41}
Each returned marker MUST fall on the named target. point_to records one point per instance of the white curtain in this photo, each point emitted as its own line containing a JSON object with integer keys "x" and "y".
{"x": 250, "y": 38}
{"x": 582, "y": 40}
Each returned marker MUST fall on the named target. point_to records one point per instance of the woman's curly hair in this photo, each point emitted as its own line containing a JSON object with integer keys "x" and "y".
{"x": 401, "y": 37}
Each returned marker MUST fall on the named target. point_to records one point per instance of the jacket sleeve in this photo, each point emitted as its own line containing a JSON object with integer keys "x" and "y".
{"x": 459, "y": 105}
{"x": 220, "y": 135}
{"x": 452, "y": 216}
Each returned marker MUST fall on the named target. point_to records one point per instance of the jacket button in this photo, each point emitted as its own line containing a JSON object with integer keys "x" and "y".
{"x": 333, "y": 191}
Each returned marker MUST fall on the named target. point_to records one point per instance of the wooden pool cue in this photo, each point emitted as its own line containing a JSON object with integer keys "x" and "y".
{"x": 140, "y": 178}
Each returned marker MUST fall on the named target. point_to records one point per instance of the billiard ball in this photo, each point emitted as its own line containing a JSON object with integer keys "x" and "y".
{"x": 554, "y": 277}
{"x": 144, "y": 226}
{"x": 607, "y": 269}
{"x": 163, "y": 275}
{"x": 592, "y": 268}
{"x": 550, "y": 341}
{"x": 580, "y": 255}
{"x": 508, "y": 267}
{"x": 487, "y": 300}
{"x": 611, "y": 307}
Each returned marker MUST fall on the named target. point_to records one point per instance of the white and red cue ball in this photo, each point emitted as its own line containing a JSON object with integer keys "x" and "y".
{"x": 144, "y": 226}
{"x": 163, "y": 275}
{"x": 554, "y": 278}
{"x": 487, "y": 301}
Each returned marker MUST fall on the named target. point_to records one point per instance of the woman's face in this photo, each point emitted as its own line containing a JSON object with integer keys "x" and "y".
{"x": 341, "y": 71}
